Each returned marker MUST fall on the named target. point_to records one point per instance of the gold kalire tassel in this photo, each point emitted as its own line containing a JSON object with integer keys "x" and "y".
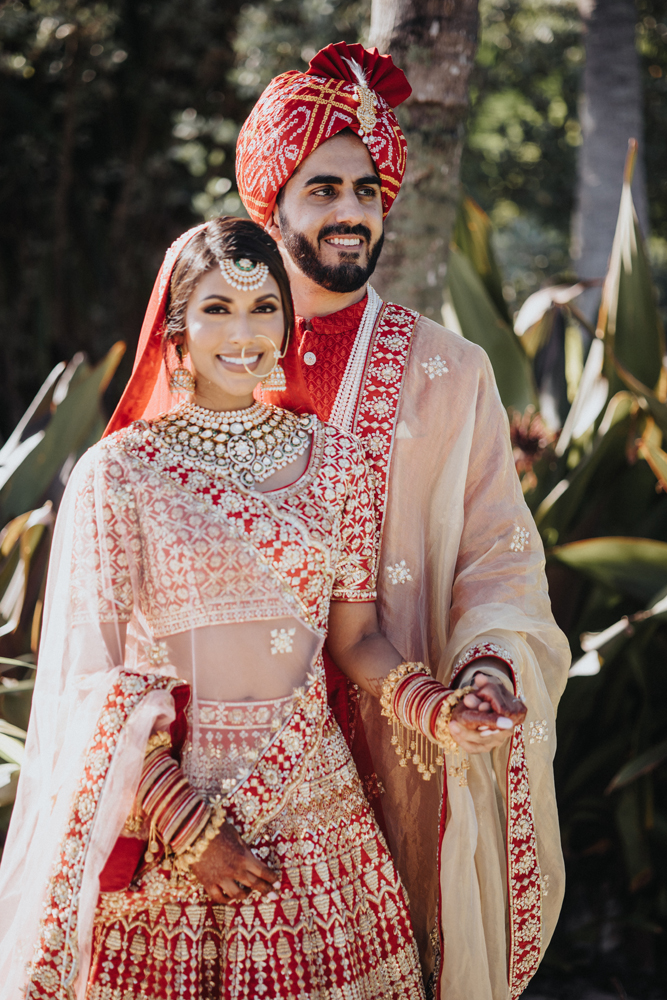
{"x": 419, "y": 708}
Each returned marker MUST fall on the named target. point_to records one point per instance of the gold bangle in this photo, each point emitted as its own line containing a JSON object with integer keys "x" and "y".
{"x": 194, "y": 852}
{"x": 443, "y": 736}
{"x": 157, "y": 741}
{"x": 390, "y": 682}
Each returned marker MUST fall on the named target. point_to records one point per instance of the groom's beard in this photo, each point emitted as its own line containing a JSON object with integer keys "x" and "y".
{"x": 347, "y": 276}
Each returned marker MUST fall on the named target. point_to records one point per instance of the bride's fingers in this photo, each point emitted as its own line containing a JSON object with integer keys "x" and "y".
{"x": 472, "y": 719}
{"x": 231, "y": 888}
{"x": 249, "y": 878}
{"x": 257, "y": 867}
{"x": 215, "y": 893}
{"x": 473, "y": 742}
{"x": 258, "y": 885}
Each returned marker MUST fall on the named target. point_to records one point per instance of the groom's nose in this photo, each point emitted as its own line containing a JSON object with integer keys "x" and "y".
{"x": 348, "y": 211}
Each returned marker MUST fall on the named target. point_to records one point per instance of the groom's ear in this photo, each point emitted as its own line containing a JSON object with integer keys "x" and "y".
{"x": 273, "y": 225}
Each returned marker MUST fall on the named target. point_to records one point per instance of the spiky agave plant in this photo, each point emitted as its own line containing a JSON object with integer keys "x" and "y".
{"x": 63, "y": 420}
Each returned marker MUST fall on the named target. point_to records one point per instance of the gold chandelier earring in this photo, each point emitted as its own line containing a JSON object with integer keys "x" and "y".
{"x": 275, "y": 379}
{"x": 181, "y": 379}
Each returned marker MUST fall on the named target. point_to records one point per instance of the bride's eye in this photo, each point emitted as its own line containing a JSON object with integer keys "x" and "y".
{"x": 216, "y": 310}
{"x": 265, "y": 307}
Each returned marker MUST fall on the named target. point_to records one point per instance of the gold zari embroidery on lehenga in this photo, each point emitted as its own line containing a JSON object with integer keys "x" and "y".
{"x": 339, "y": 928}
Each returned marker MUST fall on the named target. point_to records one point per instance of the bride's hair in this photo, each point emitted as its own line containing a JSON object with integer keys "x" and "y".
{"x": 224, "y": 238}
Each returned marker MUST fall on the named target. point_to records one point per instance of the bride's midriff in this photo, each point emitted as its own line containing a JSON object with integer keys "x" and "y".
{"x": 225, "y": 739}
{"x": 247, "y": 661}
{"x": 243, "y": 678}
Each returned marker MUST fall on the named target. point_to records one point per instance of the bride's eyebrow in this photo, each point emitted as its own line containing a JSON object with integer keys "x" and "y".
{"x": 268, "y": 295}
{"x": 221, "y": 298}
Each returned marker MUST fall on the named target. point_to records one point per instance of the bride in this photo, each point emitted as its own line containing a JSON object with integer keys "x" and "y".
{"x": 190, "y": 822}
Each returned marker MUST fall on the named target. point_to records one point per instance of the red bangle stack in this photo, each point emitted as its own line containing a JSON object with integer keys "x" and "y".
{"x": 166, "y": 795}
{"x": 417, "y": 701}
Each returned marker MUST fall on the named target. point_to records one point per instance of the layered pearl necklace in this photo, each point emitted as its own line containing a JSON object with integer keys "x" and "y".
{"x": 342, "y": 412}
{"x": 246, "y": 445}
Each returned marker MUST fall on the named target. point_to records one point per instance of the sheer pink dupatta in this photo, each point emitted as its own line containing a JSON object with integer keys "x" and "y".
{"x": 81, "y": 659}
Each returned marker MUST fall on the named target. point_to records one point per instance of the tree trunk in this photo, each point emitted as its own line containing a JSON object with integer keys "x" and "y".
{"x": 434, "y": 42}
{"x": 611, "y": 112}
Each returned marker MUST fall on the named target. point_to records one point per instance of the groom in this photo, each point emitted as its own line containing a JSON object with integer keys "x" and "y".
{"x": 461, "y": 584}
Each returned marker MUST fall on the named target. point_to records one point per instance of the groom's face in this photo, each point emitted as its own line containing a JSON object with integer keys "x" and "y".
{"x": 329, "y": 215}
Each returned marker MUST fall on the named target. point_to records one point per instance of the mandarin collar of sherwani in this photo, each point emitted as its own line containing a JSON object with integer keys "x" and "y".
{"x": 338, "y": 322}
{"x": 318, "y": 357}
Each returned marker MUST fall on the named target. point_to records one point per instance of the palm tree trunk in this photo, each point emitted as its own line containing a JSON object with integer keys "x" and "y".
{"x": 434, "y": 42}
{"x": 611, "y": 112}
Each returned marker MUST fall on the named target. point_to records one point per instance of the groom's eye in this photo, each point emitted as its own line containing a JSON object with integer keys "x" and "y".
{"x": 325, "y": 192}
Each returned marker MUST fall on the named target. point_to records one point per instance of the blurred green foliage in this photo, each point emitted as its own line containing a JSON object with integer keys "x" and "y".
{"x": 114, "y": 117}
{"x": 651, "y": 39}
{"x": 274, "y": 36}
{"x": 523, "y": 133}
{"x": 64, "y": 419}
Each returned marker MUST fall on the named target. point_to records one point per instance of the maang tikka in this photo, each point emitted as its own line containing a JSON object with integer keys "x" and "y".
{"x": 182, "y": 379}
{"x": 244, "y": 275}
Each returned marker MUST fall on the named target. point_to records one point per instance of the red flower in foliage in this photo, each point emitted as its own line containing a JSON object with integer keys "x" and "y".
{"x": 530, "y": 438}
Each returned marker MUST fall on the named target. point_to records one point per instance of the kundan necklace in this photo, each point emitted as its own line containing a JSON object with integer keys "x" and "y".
{"x": 246, "y": 445}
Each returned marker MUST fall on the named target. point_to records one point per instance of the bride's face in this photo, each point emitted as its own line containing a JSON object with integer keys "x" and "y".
{"x": 220, "y": 322}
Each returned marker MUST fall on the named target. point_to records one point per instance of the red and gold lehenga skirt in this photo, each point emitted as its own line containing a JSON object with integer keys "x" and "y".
{"x": 340, "y": 929}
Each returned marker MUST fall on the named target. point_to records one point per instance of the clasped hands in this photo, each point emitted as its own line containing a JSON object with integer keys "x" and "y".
{"x": 485, "y": 719}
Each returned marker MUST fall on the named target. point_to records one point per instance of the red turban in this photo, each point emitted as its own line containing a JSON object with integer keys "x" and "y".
{"x": 345, "y": 86}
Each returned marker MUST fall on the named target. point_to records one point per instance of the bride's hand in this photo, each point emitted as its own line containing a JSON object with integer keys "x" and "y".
{"x": 228, "y": 861}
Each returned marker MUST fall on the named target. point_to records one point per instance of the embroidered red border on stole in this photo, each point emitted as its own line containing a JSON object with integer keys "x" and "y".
{"x": 524, "y": 878}
{"x": 54, "y": 968}
{"x": 478, "y": 652}
{"x": 377, "y": 409}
